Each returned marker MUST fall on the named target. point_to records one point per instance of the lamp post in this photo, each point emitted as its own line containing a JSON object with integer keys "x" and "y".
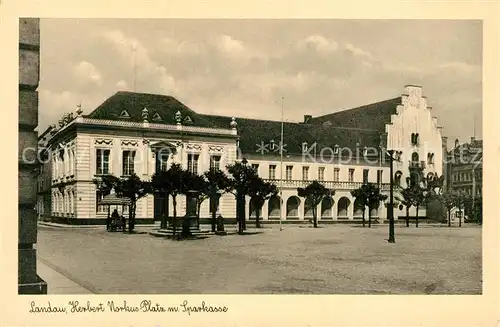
{"x": 390, "y": 208}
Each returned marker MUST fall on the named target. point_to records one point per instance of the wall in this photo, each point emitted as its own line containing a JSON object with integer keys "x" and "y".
{"x": 29, "y": 68}
{"x": 414, "y": 116}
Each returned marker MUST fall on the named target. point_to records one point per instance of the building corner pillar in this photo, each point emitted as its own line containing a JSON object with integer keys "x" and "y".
{"x": 29, "y": 67}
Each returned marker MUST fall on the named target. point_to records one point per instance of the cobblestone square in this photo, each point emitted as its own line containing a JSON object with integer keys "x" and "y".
{"x": 297, "y": 260}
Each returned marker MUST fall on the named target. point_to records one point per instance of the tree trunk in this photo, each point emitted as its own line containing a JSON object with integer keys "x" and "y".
{"x": 460, "y": 217}
{"x": 363, "y": 217}
{"x": 174, "y": 218}
{"x": 239, "y": 211}
{"x": 164, "y": 219}
{"x": 131, "y": 216}
{"x": 407, "y": 216}
{"x": 369, "y": 218}
{"x": 449, "y": 218}
{"x": 214, "y": 212}
{"x": 416, "y": 225}
{"x": 315, "y": 218}
{"x": 257, "y": 218}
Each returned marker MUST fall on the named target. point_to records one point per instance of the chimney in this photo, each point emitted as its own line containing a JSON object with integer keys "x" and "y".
{"x": 307, "y": 118}
{"x": 472, "y": 140}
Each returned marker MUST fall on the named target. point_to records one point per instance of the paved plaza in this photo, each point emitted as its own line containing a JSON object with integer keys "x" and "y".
{"x": 329, "y": 260}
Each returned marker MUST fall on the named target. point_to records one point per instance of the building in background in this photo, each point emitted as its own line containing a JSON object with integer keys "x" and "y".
{"x": 465, "y": 168}
{"x": 44, "y": 181}
{"x": 131, "y": 132}
{"x": 29, "y": 69}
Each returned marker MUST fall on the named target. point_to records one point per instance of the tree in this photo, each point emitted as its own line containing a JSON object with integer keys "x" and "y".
{"x": 240, "y": 177}
{"x": 407, "y": 201}
{"x": 374, "y": 198}
{"x": 449, "y": 199}
{"x": 163, "y": 182}
{"x": 419, "y": 195}
{"x": 215, "y": 184}
{"x": 260, "y": 191}
{"x": 131, "y": 187}
{"x": 315, "y": 192}
{"x": 361, "y": 197}
{"x": 171, "y": 182}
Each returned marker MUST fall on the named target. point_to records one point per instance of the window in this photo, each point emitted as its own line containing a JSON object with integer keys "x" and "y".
{"x": 379, "y": 176}
{"x": 161, "y": 161}
{"x": 430, "y": 158}
{"x": 351, "y": 175}
{"x": 336, "y": 174}
{"x": 128, "y": 163}
{"x": 365, "y": 175}
{"x": 124, "y": 114}
{"x": 98, "y": 197}
{"x": 272, "y": 171}
{"x": 414, "y": 138}
{"x": 214, "y": 162}
{"x": 289, "y": 173}
{"x": 305, "y": 173}
{"x": 157, "y": 117}
{"x": 321, "y": 173}
{"x": 102, "y": 161}
{"x": 193, "y": 163}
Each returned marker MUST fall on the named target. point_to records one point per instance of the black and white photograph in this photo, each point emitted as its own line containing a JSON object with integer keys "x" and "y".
{"x": 264, "y": 163}
{"x": 195, "y": 157}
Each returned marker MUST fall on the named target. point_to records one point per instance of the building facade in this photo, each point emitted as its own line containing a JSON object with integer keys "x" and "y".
{"x": 465, "y": 168}
{"x": 141, "y": 133}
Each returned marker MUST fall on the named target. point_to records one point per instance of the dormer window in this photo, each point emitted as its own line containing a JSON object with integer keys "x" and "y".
{"x": 124, "y": 114}
{"x": 365, "y": 151}
{"x": 414, "y": 138}
{"x": 157, "y": 117}
{"x": 336, "y": 149}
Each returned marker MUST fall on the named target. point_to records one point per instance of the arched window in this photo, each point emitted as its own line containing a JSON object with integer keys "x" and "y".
{"x": 292, "y": 206}
{"x": 343, "y": 207}
{"x": 414, "y": 157}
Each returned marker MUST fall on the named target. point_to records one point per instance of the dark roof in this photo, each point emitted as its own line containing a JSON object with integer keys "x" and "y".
{"x": 134, "y": 103}
{"x": 350, "y": 128}
{"x": 373, "y": 116}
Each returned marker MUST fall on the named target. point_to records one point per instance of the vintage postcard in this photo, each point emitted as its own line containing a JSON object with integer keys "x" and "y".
{"x": 251, "y": 164}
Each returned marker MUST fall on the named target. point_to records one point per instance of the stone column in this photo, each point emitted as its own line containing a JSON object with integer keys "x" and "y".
{"x": 29, "y": 68}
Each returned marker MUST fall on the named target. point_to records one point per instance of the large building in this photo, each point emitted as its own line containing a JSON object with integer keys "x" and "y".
{"x": 142, "y": 133}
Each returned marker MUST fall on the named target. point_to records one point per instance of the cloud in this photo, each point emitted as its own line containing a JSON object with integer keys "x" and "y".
{"x": 122, "y": 85}
{"x": 317, "y": 43}
{"x": 150, "y": 75}
{"x": 228, "y": 45}
{"x": 358, "y": 51}
{"x": 86, "y": 73}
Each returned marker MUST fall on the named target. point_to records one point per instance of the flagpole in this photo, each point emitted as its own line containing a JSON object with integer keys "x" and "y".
{"x": 281, "y": 165}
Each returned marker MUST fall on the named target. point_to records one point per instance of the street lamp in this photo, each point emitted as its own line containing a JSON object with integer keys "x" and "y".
{"x": 390, "y": 208}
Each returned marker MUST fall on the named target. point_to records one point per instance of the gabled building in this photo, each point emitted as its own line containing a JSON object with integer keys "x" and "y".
{"x": 142, "y": 133}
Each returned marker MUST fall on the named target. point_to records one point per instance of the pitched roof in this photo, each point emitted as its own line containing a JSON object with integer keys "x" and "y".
{"x": 134, "y": 103}
{"x": 352, "y": 128}
{"x": 373, "y": 116}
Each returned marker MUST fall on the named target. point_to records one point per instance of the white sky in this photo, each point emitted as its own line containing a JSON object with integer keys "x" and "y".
{"x": 244, "y": 67}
